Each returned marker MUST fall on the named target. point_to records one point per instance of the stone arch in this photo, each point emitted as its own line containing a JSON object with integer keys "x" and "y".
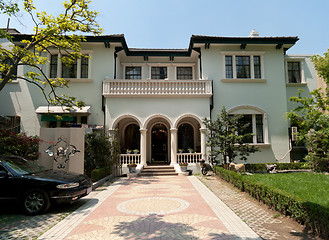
{"x": 178, "y": 120}
{"x": 244, "y": 108}
{"x": 118, "y": 119}
{"x": 154, "y": 117}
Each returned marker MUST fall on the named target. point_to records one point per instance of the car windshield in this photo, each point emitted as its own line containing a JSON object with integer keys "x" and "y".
{"x": 21, "y": 166}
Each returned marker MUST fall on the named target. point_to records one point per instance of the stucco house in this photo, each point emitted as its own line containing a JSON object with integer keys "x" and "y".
{"x": 158, "y": 98}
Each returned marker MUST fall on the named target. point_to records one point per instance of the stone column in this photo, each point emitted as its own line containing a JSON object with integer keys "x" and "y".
{"x": 143, "y": 146}
{"x": 173, "y": 148}
{"x": 203, "y": 134}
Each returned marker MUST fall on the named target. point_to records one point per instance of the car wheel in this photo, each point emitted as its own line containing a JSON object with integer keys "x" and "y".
{"x": 35, "y": 202}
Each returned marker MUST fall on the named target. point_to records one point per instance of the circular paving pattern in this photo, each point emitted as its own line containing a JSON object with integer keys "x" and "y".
{"x": 152, "y": 205}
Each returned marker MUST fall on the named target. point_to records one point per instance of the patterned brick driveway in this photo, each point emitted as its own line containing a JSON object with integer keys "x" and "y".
{"x": 153, "y": 208}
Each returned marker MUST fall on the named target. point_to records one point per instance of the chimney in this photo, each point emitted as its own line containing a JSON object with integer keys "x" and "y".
{"x": 253, "y": 33}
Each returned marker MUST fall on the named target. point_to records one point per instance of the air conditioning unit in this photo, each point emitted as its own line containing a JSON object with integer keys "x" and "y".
{"x": 293, "y": 133}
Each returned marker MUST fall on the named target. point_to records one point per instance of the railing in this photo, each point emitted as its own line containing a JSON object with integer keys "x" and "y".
{"x": 130, "y": 158}
{"x": 151, "y": 88}
{"x": 189, "y": 157}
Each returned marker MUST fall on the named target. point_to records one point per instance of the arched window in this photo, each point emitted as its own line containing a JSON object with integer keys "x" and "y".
{"x": 185, "y": 136}
{"x": 256, "y": 120}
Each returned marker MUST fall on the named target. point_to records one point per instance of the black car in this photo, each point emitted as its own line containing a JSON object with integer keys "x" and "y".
{"x": 34, "y": 187}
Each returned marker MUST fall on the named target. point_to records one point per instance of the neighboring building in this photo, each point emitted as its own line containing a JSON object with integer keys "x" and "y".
{"x": 158, "y": 98}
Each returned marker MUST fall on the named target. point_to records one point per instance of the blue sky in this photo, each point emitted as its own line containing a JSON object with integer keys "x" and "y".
{"x": 170, "y": 23}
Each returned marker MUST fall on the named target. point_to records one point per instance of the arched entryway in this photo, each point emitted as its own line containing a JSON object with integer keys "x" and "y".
{"x": 159, "y": 143}
{"x": 186, "y": 139}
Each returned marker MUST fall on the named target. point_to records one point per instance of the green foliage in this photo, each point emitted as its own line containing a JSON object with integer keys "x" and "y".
{"x": 261, "y": 167}
{"x": 19, "y": 144}
{"x": 100, "y": 173}
{"x": 311, "y": 115}
{"x": 100, "y": 152}
{"x": 8, "y": 7}
{"x": 224, "y": 140}
{"x": 313, "y": 214}
{"x": 62, "y": 32}
{"x": 97, "y": 151}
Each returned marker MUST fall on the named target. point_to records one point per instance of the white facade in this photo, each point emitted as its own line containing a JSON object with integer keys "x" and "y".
{"x": 160, "y": 116}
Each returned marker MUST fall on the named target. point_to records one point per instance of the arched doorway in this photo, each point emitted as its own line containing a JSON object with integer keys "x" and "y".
{"x": 159, "y": 143}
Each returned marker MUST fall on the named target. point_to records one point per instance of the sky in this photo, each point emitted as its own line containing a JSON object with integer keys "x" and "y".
{"x": 171, "y": 23}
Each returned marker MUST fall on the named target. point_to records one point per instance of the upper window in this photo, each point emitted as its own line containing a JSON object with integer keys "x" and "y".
{"x": 133, "y": 73}
{"x": 184, "y": 73}
{"x": 243, "y": 67}
{"x": 294, "y": 72}
{"x": 78, "y": 69}
{"x": 159, "y": 72}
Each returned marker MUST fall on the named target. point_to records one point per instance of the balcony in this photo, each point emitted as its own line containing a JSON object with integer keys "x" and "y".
{"x": 156, "y": 88}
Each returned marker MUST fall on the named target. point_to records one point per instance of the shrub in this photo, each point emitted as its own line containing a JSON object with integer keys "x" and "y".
{"x": 19, "y": 144}
{"x": 261, "y": 167}
{"x": 314, "y": 216}
{"x": 100, "y": 173}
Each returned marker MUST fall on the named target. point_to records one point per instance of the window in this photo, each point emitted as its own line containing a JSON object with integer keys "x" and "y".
{"x": 159, "y": 72}
{"x": 184, "y": 73}
{"x": 78, "y": 69}
{"x": 294, "y": 73}
{"x": 255, "y": 126}
{"x": 69, "y": 71}
{"x": 248, "y": 67}
{"x": 133, "y": 72}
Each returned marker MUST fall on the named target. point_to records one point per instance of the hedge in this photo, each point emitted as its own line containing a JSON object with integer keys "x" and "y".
{"x": 312, "y": 215}
{"x": 100, "y": 173}
{"x": 261, "y": 167}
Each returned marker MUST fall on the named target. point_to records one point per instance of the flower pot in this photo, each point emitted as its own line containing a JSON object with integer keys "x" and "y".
{"x": 132, "y": 169}
{"x": 183, "y": 168}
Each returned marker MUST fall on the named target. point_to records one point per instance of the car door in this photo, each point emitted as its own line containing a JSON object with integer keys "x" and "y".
{"x": 7, "y": 183}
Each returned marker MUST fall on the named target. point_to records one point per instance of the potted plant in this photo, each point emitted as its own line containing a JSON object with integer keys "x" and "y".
{"x": 183, "y": 166}
{"x": 132, "y": 167}
{"x": 180, "y": 150}
{"x": 128, "y": 151}
{"x": 136, "y": 151}
{"x": 190, "y": 150}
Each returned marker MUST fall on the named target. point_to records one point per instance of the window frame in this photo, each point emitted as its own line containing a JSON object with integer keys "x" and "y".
{"x": 179, "y": 67}
{"x": 131, "y": 66}
{"x": 301, "y": 61}
{"x": 254, "y": 112}
{"x": 254, "y": 77}
{"x": 79, "y": 63}
{"x": 160, "y": 66}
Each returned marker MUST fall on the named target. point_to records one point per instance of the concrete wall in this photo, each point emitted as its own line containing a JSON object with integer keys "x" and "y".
{"x": 69, "y": 139}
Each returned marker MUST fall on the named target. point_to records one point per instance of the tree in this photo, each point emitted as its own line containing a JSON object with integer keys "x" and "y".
{"x": 62, "y": 32}
{"x": 311, "y": 116}
{"x": 227, "y": 137}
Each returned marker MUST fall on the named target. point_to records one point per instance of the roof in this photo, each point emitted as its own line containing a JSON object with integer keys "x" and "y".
{"x": 61, "y": 109}
{"x": 279, "y": 42}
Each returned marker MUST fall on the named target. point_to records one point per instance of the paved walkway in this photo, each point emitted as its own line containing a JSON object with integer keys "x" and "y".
{"x": 153, "y": 208}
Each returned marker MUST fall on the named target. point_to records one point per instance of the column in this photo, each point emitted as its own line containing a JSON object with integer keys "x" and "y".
{"x": 143, "y": 146}
{"x": 203, "y": 134}
{"x": 173, "y": 148}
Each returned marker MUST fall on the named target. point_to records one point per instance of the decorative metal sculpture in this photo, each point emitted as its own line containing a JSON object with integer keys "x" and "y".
{"x": 61, "y": 151}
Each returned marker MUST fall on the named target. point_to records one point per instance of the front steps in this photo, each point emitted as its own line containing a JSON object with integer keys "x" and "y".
{"x": 158, "y": 170}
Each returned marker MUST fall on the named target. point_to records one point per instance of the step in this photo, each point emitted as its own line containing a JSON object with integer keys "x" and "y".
{"x": 158, "y": 170}
{"x": 158, "y": 174}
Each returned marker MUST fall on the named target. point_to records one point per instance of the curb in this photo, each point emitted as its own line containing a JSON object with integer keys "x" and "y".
{"x": 102, "y": 181}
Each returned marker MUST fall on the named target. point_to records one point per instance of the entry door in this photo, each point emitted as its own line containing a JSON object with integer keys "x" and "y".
{"x": 159, "y": 143}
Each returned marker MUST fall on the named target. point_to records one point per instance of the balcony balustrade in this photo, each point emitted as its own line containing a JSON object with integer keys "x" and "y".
{"x": 156, "y": 88}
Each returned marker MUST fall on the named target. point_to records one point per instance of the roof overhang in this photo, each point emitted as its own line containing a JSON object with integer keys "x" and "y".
{"x": 62, "y": 110}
